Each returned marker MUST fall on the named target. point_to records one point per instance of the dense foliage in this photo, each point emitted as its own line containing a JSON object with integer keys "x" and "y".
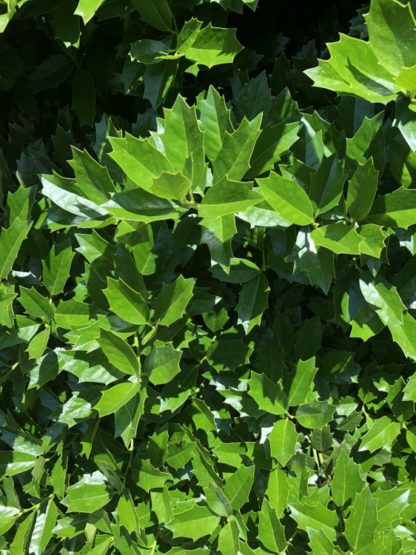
{"x": 207, "y": 264}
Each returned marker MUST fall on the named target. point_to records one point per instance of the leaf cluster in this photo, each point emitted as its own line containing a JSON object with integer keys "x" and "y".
{"x": 207, "y": 280}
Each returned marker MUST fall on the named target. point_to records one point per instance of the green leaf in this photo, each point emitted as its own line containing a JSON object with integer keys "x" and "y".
{"x": 74, "y": 410}
{"x": 62, "y": 192}
{"x": 42, "y": 530}
{"x": 214, "y": 120}
{"x": 385, "y": 297}
{"x": 271, "y": 531}
{"x": 353, "y": 68}
{"x": 228, "y": 352}
{"x": 183, "y": 143}
{"x": 238, "y": 270}
{"x": 403, "y": 335}
{"x": 90, "y": 177}
{"x": 314, "y": 517}
{"x": 172, "y": 186}
{"x": 327, "y": 184}
{"x": 56, "y": 268}
{"x": 119, "y": 353}
{"x": 207, "y": 319}
{"x": 7, "y": 296}
{"x": 252, "y": 302}
{"x": 391, "y": 29}
{"x": 321, "y": 439}
{"x": 228, "y": 538}
{"x": 238, "y": 486}
{"x": 347, "y": 480}
{"x": 116, "y": 397}
{"x": 302, "y": 382}
{"x": 172, "y": 300}
{"x": 11, "y": 240}
{"x": 139, "y": 159}
{"x": 362, "y": 190}
{"x": 88, "y": 495}
{"x": 157, "y": 14}
{"x": 8, "y": 515}
{"x": 208, "y": 46}
{"x": 282, "y": 440}
{"x": 148, "y": 51}
{"x": 193, "y": 523}
{"x": 316, "y": 262}
{"x": 254, "y": 98}
{"x": 217, "y": 233}
{"x": 391, "y": 311}
{"x": 38, "y": 344}
{"x": 71, "y": 314}
{"x": 233, "y": 160}
{"x": 127, "y": 303}
{"x": 35, "y": 304}
{"x": 20, "y": 203}
{"x": 338, "y": 238}
{"x": 273, "y": 141}
{"x": 21, "y": 539}
{"x": 162, "y": 364}
{"x": 226, "y": 198}
{"x": 406, "y": 79}
{"x": 409, "y": 392}
{"x": 287, "y": 198}
{"x": 382, "y": 433}
{"x": 320, "y": 543}
{"x": 373, "y": 238}
{"x": 45, "y": 369}
{"x": 362, "y": 522}
{"x": 87, "y": 8}
{"x": 139, "y": 206}
{"x": 278, "y": 491}
{"x": 127, "y": 417}
{"x": 370, "y": 69}
{"x": 15, "y": 462}
{"x": 158, "y": 80}
{"x": 269, "y": 396}
{"x": 396, "y": 209}
{"x": 314, "y": 415}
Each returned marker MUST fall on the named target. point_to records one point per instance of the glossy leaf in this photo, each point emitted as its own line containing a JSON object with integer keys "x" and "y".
{"x": 282, "y": 440}
{"x": 172, "y": 301}
{"x": 362, "y": 190}
{"x": 11, "y": 240}
{"x": 87, "y": 8}
{"x": 228, "y": 197}
{"x": 287, "y": 198}
{"x": 87, "y": 495}
{"x": 208, "y": 45}
{"x": 238, "y": 486}
{"x": 162, "y": 364}
{"x": 271, "y": 532}
{"x": 119, "y": 353}
{"x": 314, "y": 517}
{"x": 157, "y": 14}
{"x": 302, "y": 382}
{"x": 360, "y": 526}
{"x": 126, "y": 302}
{"x": 252, "y": 302}
{"x": 382, "y": 433}
{"x": 233, "y": 160}
{"x": 115, "y": 397}
{"x": 347, "y": 480}
{"x": 193, "y": 523}
{"x": 56, "y": 269}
